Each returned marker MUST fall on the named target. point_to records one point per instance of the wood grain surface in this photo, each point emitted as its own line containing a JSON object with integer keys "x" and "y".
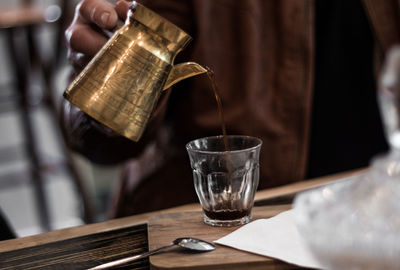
{"x": 85, "y": 246}
{"x": 82, "y": 252}
{"x": 163, "y": 229}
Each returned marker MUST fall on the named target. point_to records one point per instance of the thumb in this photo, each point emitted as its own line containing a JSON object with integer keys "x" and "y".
{"x": 122, "y": 8}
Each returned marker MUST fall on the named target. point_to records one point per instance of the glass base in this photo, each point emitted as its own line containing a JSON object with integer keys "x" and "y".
{"x": 226, "y": 223}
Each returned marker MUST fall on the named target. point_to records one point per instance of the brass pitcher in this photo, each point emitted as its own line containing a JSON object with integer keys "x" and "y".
{"x": 121, "y": 85}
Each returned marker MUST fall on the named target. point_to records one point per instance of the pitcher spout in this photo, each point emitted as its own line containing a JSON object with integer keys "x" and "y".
{"x": 183, "y": 71}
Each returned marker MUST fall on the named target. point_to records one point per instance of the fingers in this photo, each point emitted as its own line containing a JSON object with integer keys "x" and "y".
{"x": 78, "y": 60}
{"x": 98, "y": 12}
{"x": 84, "y": 38}
{"x": 86, "y": 35}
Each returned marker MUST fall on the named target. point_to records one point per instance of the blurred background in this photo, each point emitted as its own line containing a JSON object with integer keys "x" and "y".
{"x": 43, "y": 186}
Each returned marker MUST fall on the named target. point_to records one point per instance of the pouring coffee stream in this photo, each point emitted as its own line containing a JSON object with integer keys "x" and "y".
{"x": 211, "y": 77}
{"x": 121, "y": 85}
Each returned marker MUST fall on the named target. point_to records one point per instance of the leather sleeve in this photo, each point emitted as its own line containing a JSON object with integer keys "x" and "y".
{"x": 385, "y": 21}
{"x": 100, "y": 145}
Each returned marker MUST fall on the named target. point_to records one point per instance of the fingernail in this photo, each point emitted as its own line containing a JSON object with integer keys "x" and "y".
{"x": 104, "y": 18}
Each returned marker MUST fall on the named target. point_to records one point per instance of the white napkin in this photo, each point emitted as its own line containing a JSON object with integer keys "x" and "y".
{"x": 275, "y": 237}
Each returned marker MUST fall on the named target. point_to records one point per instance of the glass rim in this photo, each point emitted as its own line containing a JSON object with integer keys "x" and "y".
{"x": 258, "y": 145}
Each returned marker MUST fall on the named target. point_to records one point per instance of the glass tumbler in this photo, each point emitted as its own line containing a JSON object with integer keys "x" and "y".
{"x": 226, "y": 175}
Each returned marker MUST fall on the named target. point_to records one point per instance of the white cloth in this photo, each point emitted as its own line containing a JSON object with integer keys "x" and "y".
{"x": 276, "y": 237}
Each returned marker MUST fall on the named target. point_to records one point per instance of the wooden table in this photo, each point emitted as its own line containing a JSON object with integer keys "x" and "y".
{"x": 271, "y": 201}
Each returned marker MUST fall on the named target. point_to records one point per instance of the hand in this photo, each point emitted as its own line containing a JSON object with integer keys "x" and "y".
{"x": 85, "y": 36}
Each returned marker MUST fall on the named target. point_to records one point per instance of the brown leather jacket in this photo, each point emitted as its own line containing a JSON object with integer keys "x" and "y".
{"x": 262, "y": 53}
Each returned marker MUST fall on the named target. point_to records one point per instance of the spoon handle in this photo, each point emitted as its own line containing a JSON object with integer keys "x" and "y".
{"x": 129, "y": 259}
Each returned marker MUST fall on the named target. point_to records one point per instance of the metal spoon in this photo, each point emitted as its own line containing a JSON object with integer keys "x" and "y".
{"x": 189, "y": 243}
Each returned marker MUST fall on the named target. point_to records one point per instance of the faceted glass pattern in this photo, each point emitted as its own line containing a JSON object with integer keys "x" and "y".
{"x": 225, "y": 181}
